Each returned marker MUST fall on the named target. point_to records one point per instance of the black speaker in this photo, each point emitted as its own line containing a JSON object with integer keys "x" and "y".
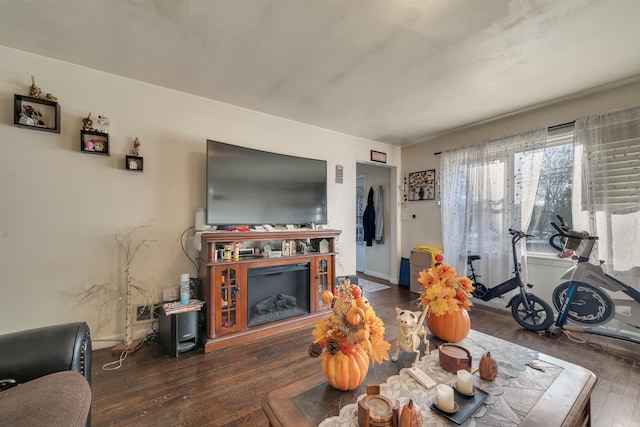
{"x": 178, "y": 332}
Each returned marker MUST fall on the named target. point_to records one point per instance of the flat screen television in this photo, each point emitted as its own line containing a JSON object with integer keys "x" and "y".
{"x": 253, "y": 187}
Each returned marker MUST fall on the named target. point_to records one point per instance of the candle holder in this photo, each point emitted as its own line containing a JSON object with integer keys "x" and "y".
{"x": 463, "y": 394}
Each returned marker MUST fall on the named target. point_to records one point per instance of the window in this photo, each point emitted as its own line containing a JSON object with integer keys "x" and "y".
{"x": 554, "y": 190}
{"x": 589, "y": 173}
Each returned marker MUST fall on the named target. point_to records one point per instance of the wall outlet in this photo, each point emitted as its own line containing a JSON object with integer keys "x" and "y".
{"x": 142, "y": 313}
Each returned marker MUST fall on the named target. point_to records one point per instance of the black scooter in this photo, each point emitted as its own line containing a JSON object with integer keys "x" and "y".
{"x": 530, "y": 311}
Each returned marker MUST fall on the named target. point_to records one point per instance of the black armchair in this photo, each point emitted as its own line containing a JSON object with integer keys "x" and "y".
{"x": 29, "y": 355}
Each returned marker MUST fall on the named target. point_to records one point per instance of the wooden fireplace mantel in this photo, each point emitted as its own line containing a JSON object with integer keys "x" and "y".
{"x": 224, "y": 282}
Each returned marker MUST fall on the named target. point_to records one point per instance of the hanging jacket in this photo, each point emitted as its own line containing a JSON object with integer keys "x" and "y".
{"x": 369, "y": 220}
{"x": 379, "y": 234}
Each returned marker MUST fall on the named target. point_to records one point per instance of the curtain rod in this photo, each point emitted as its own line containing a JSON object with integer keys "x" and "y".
{"x": 563, "y": 125}
{"x": 550, "y": 128}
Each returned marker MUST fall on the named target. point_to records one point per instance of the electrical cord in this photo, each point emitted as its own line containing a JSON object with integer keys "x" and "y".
{"x": 184, "y": 250}
{"x": 116, "y": 364}
{"x": 574, "y": 338}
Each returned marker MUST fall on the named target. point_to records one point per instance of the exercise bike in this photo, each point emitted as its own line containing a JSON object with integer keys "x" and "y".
{"x": 584, "y": 294}
{"x": 530, "y": 311}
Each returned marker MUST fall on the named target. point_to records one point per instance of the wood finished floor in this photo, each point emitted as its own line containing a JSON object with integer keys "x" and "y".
{"x": 225, "y": 387}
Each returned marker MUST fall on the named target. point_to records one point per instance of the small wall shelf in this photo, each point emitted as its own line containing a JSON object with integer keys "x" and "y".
{"x": 94, "y": 142}
{"x": 35, "y": 113}
{"x": 134, "y": 163}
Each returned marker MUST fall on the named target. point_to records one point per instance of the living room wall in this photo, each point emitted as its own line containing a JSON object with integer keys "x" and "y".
{"x": 420, "y": 220}
{"x": 61, "y": 209}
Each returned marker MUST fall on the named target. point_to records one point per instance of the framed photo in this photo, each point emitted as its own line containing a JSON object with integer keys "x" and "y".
{"x": 35, "y": 113}
{"x": 422, "y": 185}
{"x": 94, "y": 142}
{"x": 378, "y": 156}
{"x": 134, "y": 163}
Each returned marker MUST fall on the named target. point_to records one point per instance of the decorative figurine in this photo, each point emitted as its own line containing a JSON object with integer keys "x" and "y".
{"x": 135, "y": 151}
{"x": 410, "y": 415}
{"x": 412, "y": 326}
{"x": 103, "y": 123}
{"x": 34, "y": 90}
{"x": 488, "y": 367}
{"x": 31, "y": 116}
{"x": 87, "y": 123}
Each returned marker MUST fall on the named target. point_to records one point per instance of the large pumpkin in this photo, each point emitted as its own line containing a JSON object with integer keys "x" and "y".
{"x": 451, "y": 327}
{"x": 345, "y": 371}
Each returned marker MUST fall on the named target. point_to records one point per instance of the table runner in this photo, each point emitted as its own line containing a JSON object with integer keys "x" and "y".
{"x": 511, "y": 395}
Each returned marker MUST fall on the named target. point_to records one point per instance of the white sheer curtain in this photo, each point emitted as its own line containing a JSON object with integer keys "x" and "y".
{"x": 485, "y": 190}
{"x": 608, "y": 202}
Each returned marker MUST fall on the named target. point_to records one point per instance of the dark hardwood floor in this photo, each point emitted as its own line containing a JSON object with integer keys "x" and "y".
{"x": 225, "y": 387}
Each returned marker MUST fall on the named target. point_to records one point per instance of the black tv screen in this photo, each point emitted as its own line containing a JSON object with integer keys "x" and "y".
{"x": 252, "y": 187}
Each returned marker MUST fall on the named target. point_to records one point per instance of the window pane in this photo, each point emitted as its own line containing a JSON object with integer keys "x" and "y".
{"x": 553, "y": 196}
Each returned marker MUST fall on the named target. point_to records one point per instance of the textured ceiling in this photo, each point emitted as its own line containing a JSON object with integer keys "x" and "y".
{"x": 396, "y": 71}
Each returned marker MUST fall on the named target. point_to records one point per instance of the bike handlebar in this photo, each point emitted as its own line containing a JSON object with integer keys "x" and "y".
{"x": 517, "y": 235}
{"x": 566, "y": 232}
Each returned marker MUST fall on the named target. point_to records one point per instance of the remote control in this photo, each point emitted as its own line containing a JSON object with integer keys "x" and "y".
{"x": 422, "y": 378}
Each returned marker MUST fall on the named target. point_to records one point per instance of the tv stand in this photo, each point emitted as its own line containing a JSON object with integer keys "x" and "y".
{"x": 225, "y": 283}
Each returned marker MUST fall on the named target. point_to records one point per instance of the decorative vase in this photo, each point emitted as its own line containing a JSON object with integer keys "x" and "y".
{"x": 450, "y": 327}
{"x": 345, "y": 371}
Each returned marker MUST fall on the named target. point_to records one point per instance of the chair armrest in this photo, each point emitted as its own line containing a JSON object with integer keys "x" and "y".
{"x": 30, "y": 354}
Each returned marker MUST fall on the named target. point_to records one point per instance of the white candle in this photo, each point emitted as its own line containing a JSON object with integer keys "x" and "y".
{"x": 444, "y": 396}
{"x": 465, "y": 382}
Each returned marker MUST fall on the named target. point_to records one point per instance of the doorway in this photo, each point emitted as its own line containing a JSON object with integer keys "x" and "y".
{"x": 377, "y": 260}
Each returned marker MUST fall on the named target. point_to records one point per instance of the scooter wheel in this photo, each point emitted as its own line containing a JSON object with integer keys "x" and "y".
{"x": 479, "y": 291}
{"x": 539, "y": 316}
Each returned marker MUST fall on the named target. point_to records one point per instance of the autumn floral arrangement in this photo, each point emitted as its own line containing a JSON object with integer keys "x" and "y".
{"x": 352, "y": 323}
{"x": 443, "y": 291}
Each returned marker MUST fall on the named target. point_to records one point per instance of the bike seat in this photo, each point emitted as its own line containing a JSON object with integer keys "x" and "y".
{"x": 473, "y": 257}
{"x": 529, "y": 285}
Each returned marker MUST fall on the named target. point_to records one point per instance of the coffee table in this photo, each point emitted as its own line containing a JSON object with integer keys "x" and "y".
{"x": 559, "y": 395}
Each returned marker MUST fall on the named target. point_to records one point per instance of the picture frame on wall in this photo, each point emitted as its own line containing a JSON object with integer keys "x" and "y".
{"x": 422, "y": 185}
{"x": 36, "y": 113}
{"x": 92, "y": 142}
{"x": 378, "y": 156}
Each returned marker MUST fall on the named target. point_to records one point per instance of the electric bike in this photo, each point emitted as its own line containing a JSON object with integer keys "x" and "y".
{"x": 530, "y": 311}
{"x": 590, "y": 297}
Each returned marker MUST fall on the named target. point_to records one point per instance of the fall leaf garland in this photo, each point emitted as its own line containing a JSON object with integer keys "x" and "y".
{"x": 352, "y": 323}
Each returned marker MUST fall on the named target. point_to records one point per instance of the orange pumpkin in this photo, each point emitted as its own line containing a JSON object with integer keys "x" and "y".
{"x": 363, "y": 303}
{"x": 411, "y": 415}
{"x": 345, "y": 372}
{"x": 327, "y": 297}
{"x": 488, "y": 367}
{"x": 451, "y": 327}
{"x": 355, "y": 291}
{"x": 355, "y": 315}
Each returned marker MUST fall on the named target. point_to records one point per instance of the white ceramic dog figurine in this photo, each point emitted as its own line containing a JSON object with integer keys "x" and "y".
{"x": 411, "y": 328}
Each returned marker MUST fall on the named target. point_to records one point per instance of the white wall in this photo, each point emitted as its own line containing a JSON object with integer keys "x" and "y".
{"x": 425, "y": 228}
{"x": 61, "y": 208}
